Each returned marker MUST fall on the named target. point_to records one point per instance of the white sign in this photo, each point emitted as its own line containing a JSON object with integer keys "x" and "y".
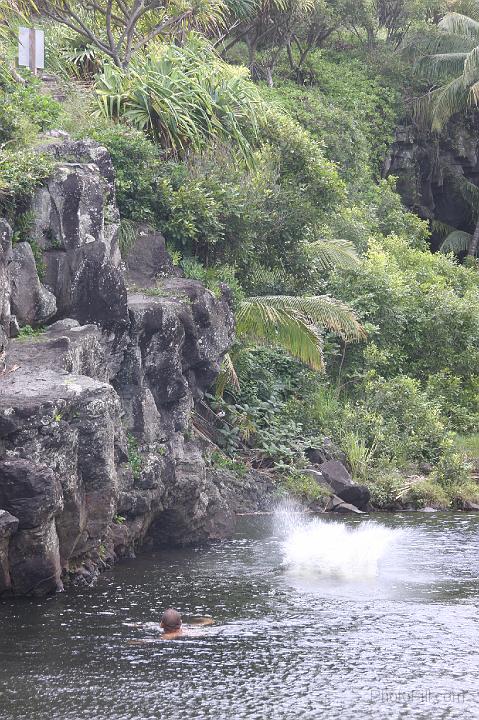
{"x": 31, "y": 48}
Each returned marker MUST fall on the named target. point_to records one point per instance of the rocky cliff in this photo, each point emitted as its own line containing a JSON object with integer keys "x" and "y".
{"x": 431, "y": 171}
{"x": 97, "y": 450}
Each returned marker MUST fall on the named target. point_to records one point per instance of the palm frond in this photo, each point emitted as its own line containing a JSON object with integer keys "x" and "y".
{"x": 438, "y": 106}
{"x": 474, "y": 94}
{"x": 435, "y": 67}
{"x": 471, "y": 67}
{"x": 460, "y": 25}
{"x": 457, "y": 242}
{"x": 441, "y": 228}
{"x": 465, "y": 187}
{"x": 227, "y": 376}
{"x": 333, "y": 253}
{"x": 11, "y": 11}
{"x": 258, "y": 320}
{"x": 241, "y": 8}
{"x": 321, "y": 310}
{"x": 448, "y": 42}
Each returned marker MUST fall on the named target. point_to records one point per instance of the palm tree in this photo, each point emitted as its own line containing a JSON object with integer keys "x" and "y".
{"x": 296, "y": 323}
{"x": 458, "y": 43}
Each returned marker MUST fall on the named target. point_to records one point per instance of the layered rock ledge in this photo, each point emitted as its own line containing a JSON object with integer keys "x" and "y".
{"x": 97, "y": 449}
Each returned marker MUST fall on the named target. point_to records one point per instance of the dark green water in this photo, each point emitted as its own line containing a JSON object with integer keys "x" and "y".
{"x": 374, "y": 621}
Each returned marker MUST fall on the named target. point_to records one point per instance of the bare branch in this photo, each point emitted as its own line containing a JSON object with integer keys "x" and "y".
{"x": 157, "y": 31}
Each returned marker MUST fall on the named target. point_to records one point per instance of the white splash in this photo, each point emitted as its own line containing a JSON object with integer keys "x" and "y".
{"x": 334, "y": 549}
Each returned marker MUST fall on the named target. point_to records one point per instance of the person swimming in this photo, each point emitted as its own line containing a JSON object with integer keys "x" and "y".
{"x": 172, "y": 624}
{"x": 173, "y": 628}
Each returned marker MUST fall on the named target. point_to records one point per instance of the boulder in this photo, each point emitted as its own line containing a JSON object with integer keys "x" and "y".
{"x": 99, "y": 292}
{"x": 34, "y": 560}
{"x": 29, "y": 491}
{"x": 76, "y": 221}
{"x": 33, "y": 494}
{"x": 76, "y": 226}
{"x": 327, "y": 450}
{"x": 243, "y": 493}
{"x": 177, "y": 341}
{"x": 336, "y": 504}
{"x": 31, "y": 302}
{"x": 60, "y": 434}
{"x": 147, "y": 259}
{"x": 333, "y": 475}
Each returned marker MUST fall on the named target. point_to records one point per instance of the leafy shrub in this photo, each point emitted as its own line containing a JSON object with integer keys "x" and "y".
{"x": 135, "y": 459}
{"x": 462, "y": 493}
{"x": 451, "y": 470}
{"x": 136, "y": 161}
{"x": 387, "y": 487}
{"x": 268, "y": 374}
{"x": 184, "y": 97}
{"x": 21, "y": 172}
{"x": 359, "y": 455}
{"x": 414, "y": 301}
{"x": 357, "y": 90}
{"x": 428, "y": 493}
{"x": 319, "y": 408}
{"x": 458, "y": 398}
{"x": 27, "y": 332}
{"x": 304, "y": 487}
{"x": 468, "y": 445}
{"x": 25, "y": 111}
{"x": 397, "y": 420}
{"x": 338, "y": 130}
{"x": 219, "y": 460}
{"x": 213, "y": 277}
{"x": 301, "y": 161}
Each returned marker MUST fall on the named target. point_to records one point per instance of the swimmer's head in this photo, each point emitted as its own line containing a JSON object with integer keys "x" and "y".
{"x": 171, "y": 620}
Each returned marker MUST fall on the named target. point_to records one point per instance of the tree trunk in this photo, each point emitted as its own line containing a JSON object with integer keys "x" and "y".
{"x": 473, "y": 245}
{"x": 371, "y": 38}
{"x": 251, "y": 44}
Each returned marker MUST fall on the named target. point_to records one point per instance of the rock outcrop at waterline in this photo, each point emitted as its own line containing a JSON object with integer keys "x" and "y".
{"x": 96, "y": 447}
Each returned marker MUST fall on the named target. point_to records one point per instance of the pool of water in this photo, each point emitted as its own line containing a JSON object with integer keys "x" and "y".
{"x": 337, "y": 618}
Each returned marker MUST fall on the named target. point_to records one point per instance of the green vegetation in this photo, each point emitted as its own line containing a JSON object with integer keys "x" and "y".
{"x": 27, "y": 332}
{"x": 257, "y": 148}
{"x": 305, "y": 488}
{"x": 182, "y": 97}
{"x": 222, "y": 461}
{"x": 468, "y": 445}
{"x": 135, "y": 459}
{"x": 453, "y": 74}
